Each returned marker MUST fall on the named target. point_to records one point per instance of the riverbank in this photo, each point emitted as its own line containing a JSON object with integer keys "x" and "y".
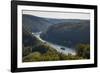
{"x": 58, "y": 48}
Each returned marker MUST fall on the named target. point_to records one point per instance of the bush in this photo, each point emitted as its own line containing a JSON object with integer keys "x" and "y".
{"x": 44, "y": 52}
{"x": 69, "y": 57}
{"x": 26, "y": 51}
{"x": 36, "y": 56}
{"x": 83, "y": 50}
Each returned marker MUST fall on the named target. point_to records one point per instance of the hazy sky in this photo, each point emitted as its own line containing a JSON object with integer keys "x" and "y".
{"x": 58, "y": 15}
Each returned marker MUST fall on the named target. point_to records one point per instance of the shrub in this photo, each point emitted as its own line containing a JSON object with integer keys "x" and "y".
{"x": 83, "y": 50}
{"x": 36, "y": 56}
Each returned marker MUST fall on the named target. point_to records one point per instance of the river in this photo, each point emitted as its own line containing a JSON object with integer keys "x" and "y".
{"x": 59, "y": 48}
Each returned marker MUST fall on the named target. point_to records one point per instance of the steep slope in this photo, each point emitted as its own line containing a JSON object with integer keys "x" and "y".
{"x": 69, "y": 33}
{"x": 34, "y": 24}
{"x": 29, "y": 39}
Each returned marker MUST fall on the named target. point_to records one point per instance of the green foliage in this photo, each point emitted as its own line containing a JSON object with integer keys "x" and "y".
{"x": 26, "y": 50}
{"x": 83, "y": 50}
{"x": 36, "y": 56}
{"x": 44, "y": 52}
{"x": 49, "y": 55}
{"x": 69, "y": 57}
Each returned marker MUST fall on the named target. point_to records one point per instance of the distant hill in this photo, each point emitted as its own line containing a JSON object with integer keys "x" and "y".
{"x": 66, "y": 32}
{"x": 69, "y": 33}
{"x": 57, "y": 21}
{"x": 34, "y": 24}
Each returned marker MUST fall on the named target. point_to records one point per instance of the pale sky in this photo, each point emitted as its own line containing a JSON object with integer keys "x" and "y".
{"x": 58, "y": 15}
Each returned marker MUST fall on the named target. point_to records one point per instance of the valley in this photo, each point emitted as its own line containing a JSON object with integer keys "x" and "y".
{"x": 65, "y": 51}
{"x": 48, "y": 39}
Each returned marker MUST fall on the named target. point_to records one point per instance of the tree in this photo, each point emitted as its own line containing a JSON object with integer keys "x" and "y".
{"x": 83, "y": 50}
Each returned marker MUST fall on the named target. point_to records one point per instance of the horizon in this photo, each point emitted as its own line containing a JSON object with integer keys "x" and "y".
{"x": 54, "y": 18}
{"x": 58, "y": 15}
